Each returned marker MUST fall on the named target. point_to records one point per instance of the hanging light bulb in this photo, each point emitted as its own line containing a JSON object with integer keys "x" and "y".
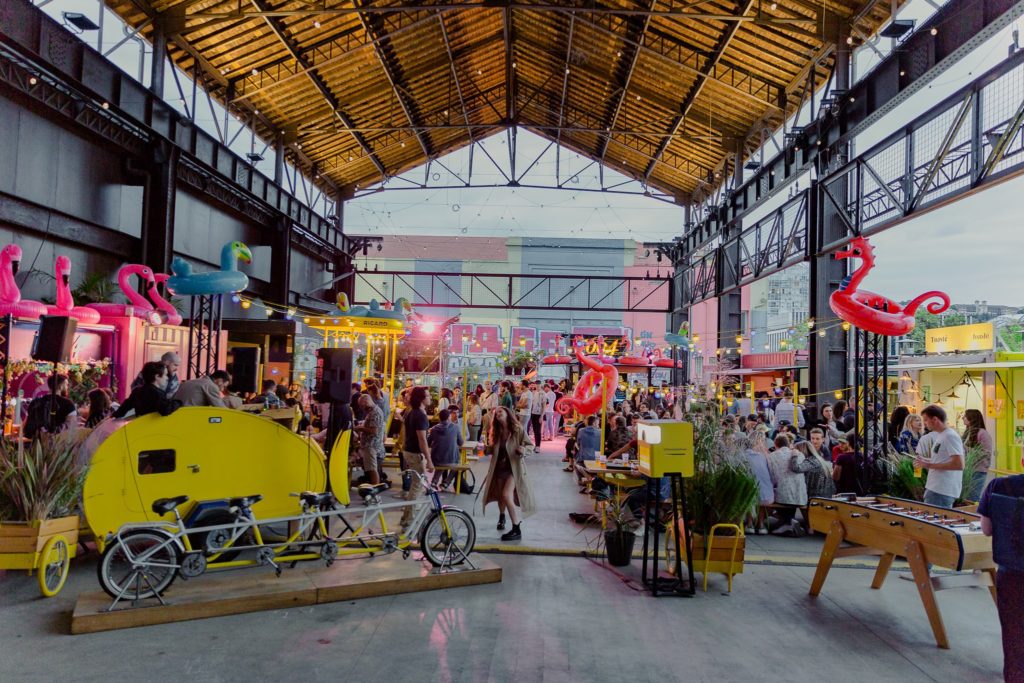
{"x": 838, "y": 394}
{"x": 821, "y": 333}
{"x": 739, "y": 338}
{"x": 810, "y": 324}
{"x": 696, "y": 337}
{"x": 846, "y": 326}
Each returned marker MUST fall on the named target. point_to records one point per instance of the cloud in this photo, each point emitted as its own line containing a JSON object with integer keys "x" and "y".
{"x": 972, "y": 250}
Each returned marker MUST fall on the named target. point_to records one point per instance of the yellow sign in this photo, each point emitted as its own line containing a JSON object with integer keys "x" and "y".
{"x": 979, "y": 337}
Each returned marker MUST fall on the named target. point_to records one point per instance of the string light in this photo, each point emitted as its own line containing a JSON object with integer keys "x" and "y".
{"x": 246, "y": 304}
{"x": 846, "y": 326}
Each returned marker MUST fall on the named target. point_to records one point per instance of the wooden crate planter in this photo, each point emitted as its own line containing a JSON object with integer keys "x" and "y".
{"x": 21, "y": 542}
{"x": 724, "y": 556}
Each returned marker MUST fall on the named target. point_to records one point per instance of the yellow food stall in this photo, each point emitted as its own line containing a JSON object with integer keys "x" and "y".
{"x": 962, "y": 370}
{"x": 380, "y": 336}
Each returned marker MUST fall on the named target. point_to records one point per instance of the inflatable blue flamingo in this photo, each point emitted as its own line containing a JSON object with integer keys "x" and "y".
{"x": 227, "y": 280}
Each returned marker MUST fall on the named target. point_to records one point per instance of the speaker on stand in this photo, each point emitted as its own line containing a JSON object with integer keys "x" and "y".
{"x": 334, "y": 387}
{"x": 245, "y": 369}
{"x": 55, "y": 338}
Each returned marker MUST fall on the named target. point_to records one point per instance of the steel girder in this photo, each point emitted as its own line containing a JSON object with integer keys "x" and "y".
{"x": 521, "y": 292}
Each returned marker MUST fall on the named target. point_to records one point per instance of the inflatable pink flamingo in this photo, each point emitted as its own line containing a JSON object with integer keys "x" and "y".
{"x": 10, "y": 295}
{"x": 139, "y": 306}
{"x": 65, "y": 301}
{"x": 173, "y": 317}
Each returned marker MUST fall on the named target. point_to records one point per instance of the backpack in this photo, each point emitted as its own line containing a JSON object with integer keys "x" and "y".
{"x": 468, "y": 484}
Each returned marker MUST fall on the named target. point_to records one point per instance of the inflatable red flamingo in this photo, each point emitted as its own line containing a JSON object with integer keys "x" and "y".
{"x": 660, "y": 361}
{"x": 168, "y": 309}
{"x": 632, "y": 360}
{"x": 65, "y": 301}
{"x": 597, "y": 383}
{"x": 10, "y": 296}
{"x": 873, "y": 312}
{"x": 139, "y": 306}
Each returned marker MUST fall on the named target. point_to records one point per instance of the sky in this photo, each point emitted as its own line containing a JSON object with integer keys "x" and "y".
{"x": 970, "y": 249}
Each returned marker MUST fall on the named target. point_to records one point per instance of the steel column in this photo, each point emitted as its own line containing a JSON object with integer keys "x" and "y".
{"x": 158, "y": 207}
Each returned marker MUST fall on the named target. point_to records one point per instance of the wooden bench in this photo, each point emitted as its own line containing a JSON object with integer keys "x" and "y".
{"x": 459, "y": 469}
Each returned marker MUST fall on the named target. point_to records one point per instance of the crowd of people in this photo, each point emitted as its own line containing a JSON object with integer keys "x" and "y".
{"x": 156, "y": 389}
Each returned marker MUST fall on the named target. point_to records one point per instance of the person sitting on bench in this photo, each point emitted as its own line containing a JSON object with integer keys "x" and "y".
{"x": 445, "y": 441}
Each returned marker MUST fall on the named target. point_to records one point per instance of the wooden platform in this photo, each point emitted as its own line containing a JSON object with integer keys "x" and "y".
{"x": 255, "y": 590}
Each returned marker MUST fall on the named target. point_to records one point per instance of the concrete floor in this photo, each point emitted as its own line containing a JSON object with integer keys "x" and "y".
{"x": 551, "y": 619}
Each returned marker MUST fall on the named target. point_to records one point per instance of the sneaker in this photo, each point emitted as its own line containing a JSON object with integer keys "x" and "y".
{"x": 514, "y": 535}
{"x": 749, "y": 531}
{"x": 762, "y": 532}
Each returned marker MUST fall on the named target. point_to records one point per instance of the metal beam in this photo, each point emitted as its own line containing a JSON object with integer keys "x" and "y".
{"x": 510, "y": 99}
{"x": 579, "y": 8}
{"x": 565, "y": 95}
{"x": 374, "y": 25}
{"x": 635, "y": 39}
{"x": 455, "y": 77}
{"x": 691, "y": 96}
{"x": 921, "y": 58}
{"x": 502, "y": 291}
{"x": 279, "y": 30}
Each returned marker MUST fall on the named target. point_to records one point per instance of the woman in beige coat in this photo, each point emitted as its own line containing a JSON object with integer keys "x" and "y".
{"x": 506, "y": 481}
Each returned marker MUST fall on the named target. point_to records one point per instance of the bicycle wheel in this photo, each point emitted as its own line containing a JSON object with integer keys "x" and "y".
{"x": 436, "y": 542}
{"x": 54, "y": 560}
{"x": 120, "y": 577}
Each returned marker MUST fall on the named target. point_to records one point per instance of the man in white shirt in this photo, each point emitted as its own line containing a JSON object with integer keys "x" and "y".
{"x": 550, "y": 421}
{"x": 535, "y": 405}
{"x": 941, "y": 452}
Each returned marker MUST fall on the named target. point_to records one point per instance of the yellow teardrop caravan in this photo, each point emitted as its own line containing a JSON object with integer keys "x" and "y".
{"x": 204, "y": 453}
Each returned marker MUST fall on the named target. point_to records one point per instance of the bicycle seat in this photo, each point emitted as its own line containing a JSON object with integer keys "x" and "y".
{"x": 245, "y": 501}
{"x": 317, "y": 500}
{"x": 367, "y": 490}
{"x": 162, "y": 506}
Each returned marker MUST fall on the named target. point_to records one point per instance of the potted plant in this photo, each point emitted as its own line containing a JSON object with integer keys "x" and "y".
{"x": 620, "y": 531}
{"x": 40, "y": 486}
{"x": 720, "y": 494}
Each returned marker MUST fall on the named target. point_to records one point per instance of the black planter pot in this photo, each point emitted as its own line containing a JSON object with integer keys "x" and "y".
{"x": 620, "y": 547}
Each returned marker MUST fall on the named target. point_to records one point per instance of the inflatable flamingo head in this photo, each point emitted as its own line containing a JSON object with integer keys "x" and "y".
{"x": 859, "y": 248}
{"x": 63, "y": 269}
{"x": 12, "y": 253}
{"x": 161, "y": 277}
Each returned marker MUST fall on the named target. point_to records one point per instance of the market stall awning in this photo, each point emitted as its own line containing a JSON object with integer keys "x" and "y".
{"x": 983, "y": 366}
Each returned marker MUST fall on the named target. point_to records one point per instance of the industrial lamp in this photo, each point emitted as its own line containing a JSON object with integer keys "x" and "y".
{"x": 79, "y": 21}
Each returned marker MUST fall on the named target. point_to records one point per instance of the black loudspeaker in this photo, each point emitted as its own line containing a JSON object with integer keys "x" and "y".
{"x": 334, "y": 375}
{"x": 245, "y": 369}
{"x": 54, "y": 339}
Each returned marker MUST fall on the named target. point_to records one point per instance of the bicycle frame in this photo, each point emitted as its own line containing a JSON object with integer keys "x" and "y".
{"x": 177, "y": 535}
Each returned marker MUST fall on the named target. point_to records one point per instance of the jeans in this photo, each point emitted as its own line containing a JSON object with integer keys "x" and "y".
{"x": 417, "y": 463}
{"x": 933, "y": 498}
{"x": 535, "y": 425}
{"x": 1010, "y": 603}
{"x": 550, "y": 424}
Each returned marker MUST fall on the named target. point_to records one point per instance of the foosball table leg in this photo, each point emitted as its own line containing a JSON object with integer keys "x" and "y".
{"x": 835, "y": 537}
{"x": 992, "y": 577}
{"x": 883, "y": 570}
{"x": 919, "y": 568}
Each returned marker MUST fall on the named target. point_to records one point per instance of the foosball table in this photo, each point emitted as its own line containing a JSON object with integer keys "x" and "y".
{"x": 923, "y": 534}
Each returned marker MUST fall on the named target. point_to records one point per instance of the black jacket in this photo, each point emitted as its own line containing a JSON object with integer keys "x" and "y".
{"x": 145, "y": 400}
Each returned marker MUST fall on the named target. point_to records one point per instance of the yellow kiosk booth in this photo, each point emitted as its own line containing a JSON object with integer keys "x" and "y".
{"x": 382, "y": 330}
